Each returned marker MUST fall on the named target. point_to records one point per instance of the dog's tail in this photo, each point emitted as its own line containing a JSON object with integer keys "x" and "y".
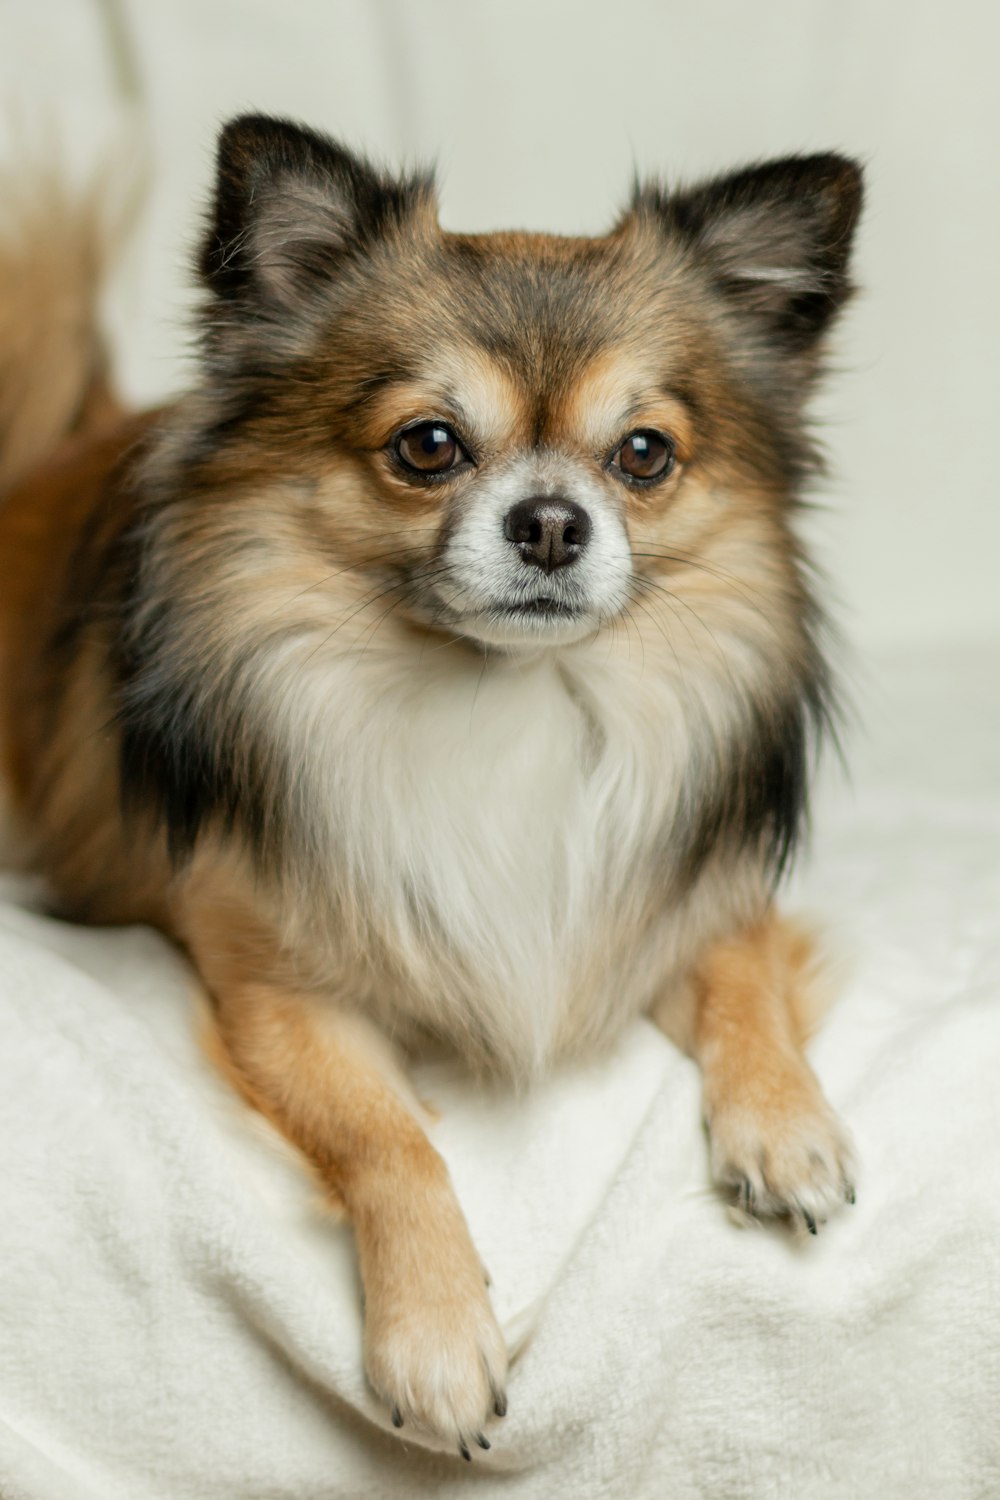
{"x": 55, "y": 247}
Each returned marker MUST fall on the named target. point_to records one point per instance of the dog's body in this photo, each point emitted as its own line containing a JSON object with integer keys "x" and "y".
{"x": 445, "y": 663}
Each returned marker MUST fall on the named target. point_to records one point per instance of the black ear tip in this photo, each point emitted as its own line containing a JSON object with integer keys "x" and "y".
{"x": 242, "y": 135}
{"x": 833, "y": 177}
{"x": 845, "y": 174}
{"x": 239, "y": 127}
{"x": 250, "y": 138}
{"x": 827, "y": 178}
{"x": 252, "y": 125}
{"x": 833, "y": 165}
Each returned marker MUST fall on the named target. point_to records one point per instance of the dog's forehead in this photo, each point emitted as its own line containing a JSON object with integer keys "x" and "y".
{"x": 536, "y": 336}
{"x": 542, "y": 305}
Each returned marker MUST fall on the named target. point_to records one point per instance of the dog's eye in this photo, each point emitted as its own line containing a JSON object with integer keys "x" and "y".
{"x": 645, "y": 456}
{"x": 429, "y": 448}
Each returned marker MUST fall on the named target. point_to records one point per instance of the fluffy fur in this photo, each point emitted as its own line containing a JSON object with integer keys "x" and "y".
{"x": 383, "y": 766}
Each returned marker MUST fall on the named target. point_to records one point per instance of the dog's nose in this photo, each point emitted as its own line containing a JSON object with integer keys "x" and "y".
{"x": 549, "y": 533}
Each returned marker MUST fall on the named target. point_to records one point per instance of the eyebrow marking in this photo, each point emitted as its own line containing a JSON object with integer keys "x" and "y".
{"x": 616, "y": 395}
{"x": 461, "y": 387}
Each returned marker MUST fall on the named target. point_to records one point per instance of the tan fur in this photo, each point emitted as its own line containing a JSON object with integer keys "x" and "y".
{"x": 533, "y": 895}
{"x": 54, "y": 247}
{"x": 60, "y": 769}
{"x": 329, "y": 1081}
{"x": 617, "y": 382}
{"x": 773, "y": 1135}
{"x": 433, "y": 1349}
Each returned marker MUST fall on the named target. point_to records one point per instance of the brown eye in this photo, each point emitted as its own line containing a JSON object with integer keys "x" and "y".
{"x": 645, "y": 456}
{"x": 429, "y": 448}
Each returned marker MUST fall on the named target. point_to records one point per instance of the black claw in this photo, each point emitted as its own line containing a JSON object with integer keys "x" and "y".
{"x": 397, "y": 1417}
{"x": 464, "y": 1451}
{"x": 810, "y": 1221}
{"x": 849, "y": 1193}
{"x": 500, "y": 1405}
{"x": 482, "y": 1441}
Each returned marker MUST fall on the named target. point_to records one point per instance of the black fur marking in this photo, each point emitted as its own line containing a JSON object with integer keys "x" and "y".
{"x": 323, "y": 203}
{"x": 189, "y": 755}
{"x": 775, "y": 237}
{"x": 184, "y": 772}
{"x": 755, "y": 794}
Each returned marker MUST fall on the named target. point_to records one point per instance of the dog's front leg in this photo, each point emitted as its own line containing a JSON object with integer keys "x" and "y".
{"x": 774, "y": 1139}
{"x": 331, "y": 1083}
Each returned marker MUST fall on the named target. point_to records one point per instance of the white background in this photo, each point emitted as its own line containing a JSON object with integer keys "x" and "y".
{"x": 537, "y": 112}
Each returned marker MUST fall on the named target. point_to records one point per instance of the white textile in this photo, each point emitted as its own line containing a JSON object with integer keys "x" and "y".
{"x": 179, "y": 1319}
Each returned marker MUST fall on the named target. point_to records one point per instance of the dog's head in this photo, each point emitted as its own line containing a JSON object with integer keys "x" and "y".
{"x": 513, "y": 437}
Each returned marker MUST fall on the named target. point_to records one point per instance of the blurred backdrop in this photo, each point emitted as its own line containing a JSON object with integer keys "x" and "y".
{"x": 537, "y": 113}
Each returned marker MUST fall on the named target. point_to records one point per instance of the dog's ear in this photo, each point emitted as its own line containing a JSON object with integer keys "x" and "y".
{"x": 289, "y": 206}
{"x": 776, "y": 238}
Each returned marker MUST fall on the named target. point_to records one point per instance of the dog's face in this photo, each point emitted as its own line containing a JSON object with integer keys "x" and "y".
{"x": 528, "y": 424}
{"x": 517, "y": 439}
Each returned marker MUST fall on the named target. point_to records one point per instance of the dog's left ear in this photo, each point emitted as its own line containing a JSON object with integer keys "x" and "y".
{"x": 775, "y": 238}
{"x": 291, "y": 207}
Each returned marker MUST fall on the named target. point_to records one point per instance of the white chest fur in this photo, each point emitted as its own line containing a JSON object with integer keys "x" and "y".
{"x": 492, "y": 834}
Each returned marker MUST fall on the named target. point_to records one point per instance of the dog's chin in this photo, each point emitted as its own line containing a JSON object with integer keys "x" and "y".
{"x": 524, "y": 624}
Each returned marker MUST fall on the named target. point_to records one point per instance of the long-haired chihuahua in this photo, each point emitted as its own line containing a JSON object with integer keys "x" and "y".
{"x": 443, "y": 664}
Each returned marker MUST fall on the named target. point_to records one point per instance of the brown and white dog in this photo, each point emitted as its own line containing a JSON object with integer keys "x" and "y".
{"x": 443, "y": 664}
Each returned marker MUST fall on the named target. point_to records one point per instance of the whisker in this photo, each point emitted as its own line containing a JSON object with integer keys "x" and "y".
{"x": 328, "y": 578}
{"x": 666, "y": 636}
{"x": 366, "y": 603}
{"x": 738, "y": 585}
{"x": 674, "y": 599}
{"x": 375, "y": 628}
{"x": 626, "y": 620}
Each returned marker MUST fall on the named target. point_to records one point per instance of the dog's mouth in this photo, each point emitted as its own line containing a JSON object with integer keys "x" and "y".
{"x": 536, "y": 621}
{"x": 506, "y": 616}
{"x": 542, "y": 607}
{"x": 504, "y": 621}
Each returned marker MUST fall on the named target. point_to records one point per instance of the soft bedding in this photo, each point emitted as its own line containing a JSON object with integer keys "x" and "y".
{"x": 180, "y": 1319}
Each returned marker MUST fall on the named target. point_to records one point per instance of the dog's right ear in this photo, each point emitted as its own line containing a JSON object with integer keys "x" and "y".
{"x": 289, "y": 206}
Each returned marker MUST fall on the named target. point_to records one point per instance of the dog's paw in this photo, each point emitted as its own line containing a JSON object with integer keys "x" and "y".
{"x": 436, "y": 1356}
{"x": 783, "y": 1153}
{"x": 433, "y": 1349}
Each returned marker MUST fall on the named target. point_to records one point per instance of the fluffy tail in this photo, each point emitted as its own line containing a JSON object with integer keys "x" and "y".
{"x": 55, "y": 244}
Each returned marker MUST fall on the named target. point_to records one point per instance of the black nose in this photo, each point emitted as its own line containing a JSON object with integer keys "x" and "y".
{"x": 549, "y": 533}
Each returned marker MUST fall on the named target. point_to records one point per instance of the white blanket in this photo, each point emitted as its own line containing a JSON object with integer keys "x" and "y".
{"x": 180, "y": 1319}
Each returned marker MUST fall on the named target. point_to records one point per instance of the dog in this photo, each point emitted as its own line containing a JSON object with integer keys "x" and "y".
{"x": 443, "y": 665}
